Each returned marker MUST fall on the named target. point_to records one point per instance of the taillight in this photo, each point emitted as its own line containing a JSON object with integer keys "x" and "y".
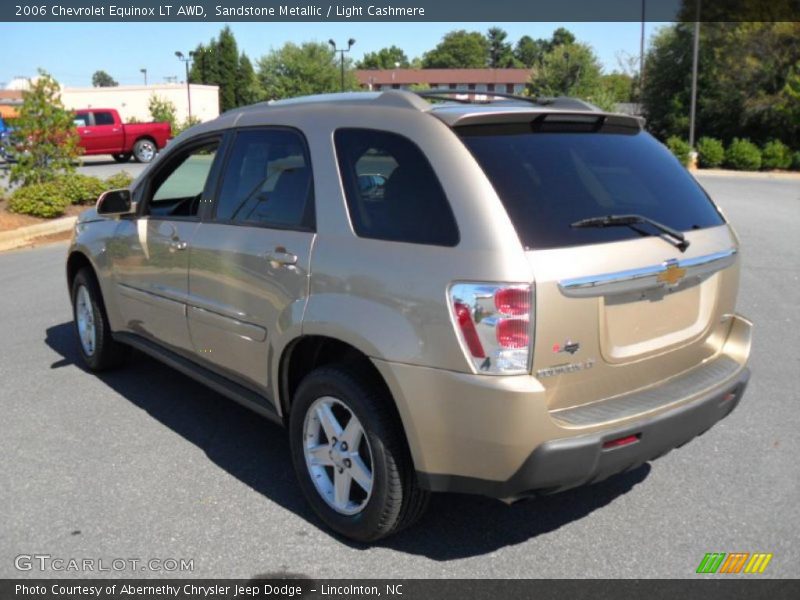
{"x": 513, "y": 333}
{"x": 513, "y": 300}
{"x": 493, "y": 323}
{"x": 468, "y": 332}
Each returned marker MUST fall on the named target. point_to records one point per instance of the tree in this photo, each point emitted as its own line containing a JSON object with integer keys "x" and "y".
{"x": 568, "y": 70}
{"x": 529, "y": 51}
{"x": 619, "y": 86}
{"x": 560, "y": 37}
{"x": 162, "y": 110}
{"x": 458, "y": 50}
{"x": 227, "y": 55}
{"x": 44, "y": 135}
{"x": 247, "y": 88}
{"x": 219, "y": 63}
{"x": 500, "y": 53}
{"x": 385, "y": 58}
{"x": 745, "y": 76}
{"x": 310, "y": 68}
{"x": 205, "y": 66}
{"x": 103, "y": 79}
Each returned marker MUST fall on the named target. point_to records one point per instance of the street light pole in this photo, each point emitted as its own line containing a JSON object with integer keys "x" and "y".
{"x": 144, "y": 72}
{"x": 695, "y": 55}
{"x": 186, "y": 60}
{"x": 641, "y": 54}
{"x": 341, "y": 52}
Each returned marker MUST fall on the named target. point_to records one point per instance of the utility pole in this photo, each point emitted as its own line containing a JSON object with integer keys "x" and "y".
{"x": 341, "y": 52}
{"x": 186, "y": 60}
{"x": 144, "y": 72}
{"x": 641, "y": 54}
{"x": 695, "y": 55}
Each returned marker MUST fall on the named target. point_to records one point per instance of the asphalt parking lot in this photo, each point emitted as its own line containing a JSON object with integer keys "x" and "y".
{"x": 144, "y": 463}
{"x": 98, "y": 166}
{"x": 104, "y": 166}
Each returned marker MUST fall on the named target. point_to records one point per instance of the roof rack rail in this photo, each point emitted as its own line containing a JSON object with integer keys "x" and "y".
{"x": 564, "y": 102}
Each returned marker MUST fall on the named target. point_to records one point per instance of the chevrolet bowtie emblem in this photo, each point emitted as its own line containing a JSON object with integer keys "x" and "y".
{"x": 673, "y": 273}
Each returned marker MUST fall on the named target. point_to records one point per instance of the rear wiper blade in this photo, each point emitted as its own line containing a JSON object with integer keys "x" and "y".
{"x": 616, "y": 220}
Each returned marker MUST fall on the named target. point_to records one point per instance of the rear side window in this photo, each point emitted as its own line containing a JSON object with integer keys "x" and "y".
{"x": 103, "y": 118}
{"x": 549, "y": 180}
{"x": 391, "y": 189}
{"x": 267, "y": 181}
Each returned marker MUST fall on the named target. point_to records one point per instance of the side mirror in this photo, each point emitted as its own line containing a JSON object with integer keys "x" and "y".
{"x": 115, "y": 202}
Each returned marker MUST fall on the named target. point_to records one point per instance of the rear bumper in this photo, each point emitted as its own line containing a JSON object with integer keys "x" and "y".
{"x": 495, "y": 435}
{"x": 565, "y": 463}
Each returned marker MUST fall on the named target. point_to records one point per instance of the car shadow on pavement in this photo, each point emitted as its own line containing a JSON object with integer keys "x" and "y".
{"x": 255, "y": 451}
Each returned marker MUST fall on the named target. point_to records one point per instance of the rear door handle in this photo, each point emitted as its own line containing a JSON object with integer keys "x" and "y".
{"x": 280, "y": 257}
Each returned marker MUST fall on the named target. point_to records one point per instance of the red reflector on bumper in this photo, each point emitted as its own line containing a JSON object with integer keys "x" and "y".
{"x": 623, "y": 441}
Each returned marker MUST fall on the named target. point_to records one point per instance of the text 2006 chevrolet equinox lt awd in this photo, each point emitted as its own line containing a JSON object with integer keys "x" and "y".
{"x": 505, "y": 298}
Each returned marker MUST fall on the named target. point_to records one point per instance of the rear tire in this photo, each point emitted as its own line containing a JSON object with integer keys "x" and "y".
{"x": 144, "y": 150}
{"x": 378, "y": 457}
{"x": 122, "y": 158}
{"x": 95, "y": 344}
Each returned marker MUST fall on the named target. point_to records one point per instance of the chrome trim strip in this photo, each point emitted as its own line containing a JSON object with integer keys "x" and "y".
{"x": 645, "y": 278}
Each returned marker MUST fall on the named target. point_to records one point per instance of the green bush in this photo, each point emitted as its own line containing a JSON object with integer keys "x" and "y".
{"x": 776, "y": 155}
{"x": 81, "y": 189}
{"x": 179, "y": 128}
{"x": 39, "y": 200}
{"x": 710, "y": 152}
{"x": 680, "y": 148}
{"x": 119, "y": 180}
{"x": 796, "y": 161}
{"x": 743, "y": 155}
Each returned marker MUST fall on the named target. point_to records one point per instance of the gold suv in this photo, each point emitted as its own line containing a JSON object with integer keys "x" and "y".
{"x": 480, "y": 294}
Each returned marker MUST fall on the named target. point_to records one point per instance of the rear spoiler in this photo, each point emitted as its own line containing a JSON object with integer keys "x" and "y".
{"x": 510, "y": 122}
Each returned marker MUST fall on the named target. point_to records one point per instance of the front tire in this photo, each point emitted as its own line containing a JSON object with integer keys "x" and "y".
{"x": 95, "y": 344}
{"x": 350, "y": 455}
{"x": 144, "y": 150}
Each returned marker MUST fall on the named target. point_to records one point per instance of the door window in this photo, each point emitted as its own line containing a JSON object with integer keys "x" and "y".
{"x": 103, "y": 118}
{"x": 268, "y": 181}
{"x": 178, "y": 188}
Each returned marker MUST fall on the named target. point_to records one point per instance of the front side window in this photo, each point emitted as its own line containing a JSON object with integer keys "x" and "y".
{"x": 81, "y": 120}
{"x": 178, "y": 188}
{"x": 391, "y": 189}
{"x": 267, "y": 181}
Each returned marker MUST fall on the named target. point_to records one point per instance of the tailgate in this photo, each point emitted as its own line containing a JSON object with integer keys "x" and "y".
{"x": 618, "y": 317}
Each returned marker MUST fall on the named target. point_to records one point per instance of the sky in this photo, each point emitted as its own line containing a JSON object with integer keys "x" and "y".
{"x": 72, "y": 52}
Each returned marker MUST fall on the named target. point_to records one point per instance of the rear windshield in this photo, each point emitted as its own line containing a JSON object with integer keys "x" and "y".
{"x": 549, "y": 180}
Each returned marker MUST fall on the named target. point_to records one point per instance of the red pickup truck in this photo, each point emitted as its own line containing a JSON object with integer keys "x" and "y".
{"x": 103, "y": 132}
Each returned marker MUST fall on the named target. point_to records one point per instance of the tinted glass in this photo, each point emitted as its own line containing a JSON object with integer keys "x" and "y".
{"x": 392, "y": 192}
{"x": 81, "y": 120}
{"x": 103, "y": 118}
{"x": 549, "y": 180}
{"x": 178, "y": 189}
{"x": 267, "y": 180}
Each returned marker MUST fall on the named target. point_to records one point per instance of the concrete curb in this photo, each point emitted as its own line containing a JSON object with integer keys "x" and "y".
{"x": 787, "y": 175}
{"x": 19, "y": 237}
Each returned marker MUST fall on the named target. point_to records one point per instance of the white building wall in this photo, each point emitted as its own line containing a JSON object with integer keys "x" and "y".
{"x": 131, "y": 101}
